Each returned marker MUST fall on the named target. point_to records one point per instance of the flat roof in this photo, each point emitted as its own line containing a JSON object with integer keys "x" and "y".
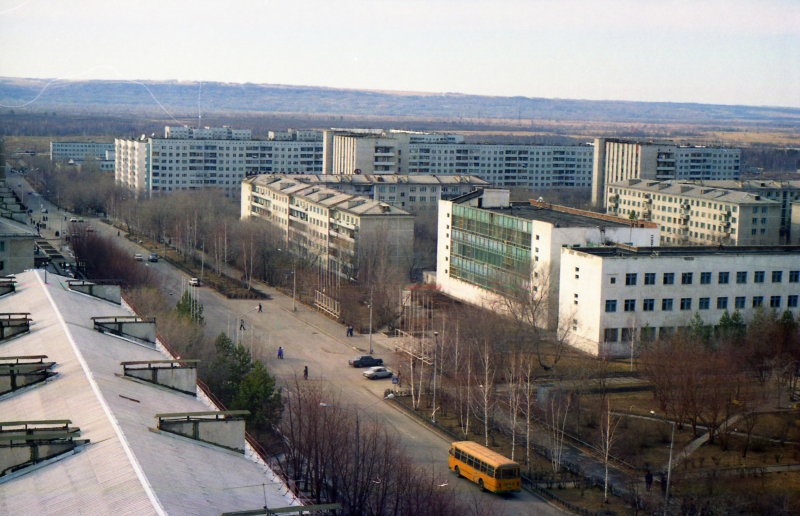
{"x": 379, "y": 179}
{"x": 562, "y": 219}
{"x": 9, "y": 227}
{"x": 126, "y": 468}
{"x": 623, "y": 251}
{"x": 693, "y": 190}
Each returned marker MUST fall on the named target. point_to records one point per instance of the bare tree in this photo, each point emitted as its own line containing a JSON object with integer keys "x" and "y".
{"x": 606, "y": 441}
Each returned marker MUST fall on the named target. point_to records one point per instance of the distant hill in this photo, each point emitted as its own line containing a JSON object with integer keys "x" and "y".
{"x": 182, "y": 98}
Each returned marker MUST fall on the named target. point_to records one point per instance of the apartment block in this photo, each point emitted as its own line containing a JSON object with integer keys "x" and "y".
{"x": 414, "y": 193}
{"x": 196, "y": 159}
{"x": 78, "y": 151}
{"x": 618, "y": 160}
{"x": 698, "y": 214}
{"x": 625, "y": 295}
{"x": 336, "y": 230}
{"x": 486, "y": 242}
{"x": 376, "y": 151}
{"x": 784, "y": 192}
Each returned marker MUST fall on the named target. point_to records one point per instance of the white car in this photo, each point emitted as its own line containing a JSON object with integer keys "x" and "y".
{"x": 376, "y": 372}
{"x": 138, "y": 257}
{"x": 194, "y": 282}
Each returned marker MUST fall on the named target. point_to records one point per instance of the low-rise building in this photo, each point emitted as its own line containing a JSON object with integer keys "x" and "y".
{"x": 623, "y": 295}
{"x": 340, "y": 232}
{"x": 78, "y": 151}
{"x": 697, "y": 213}
{"x": 415, "y": 193}
{"x": 487, "y": 243}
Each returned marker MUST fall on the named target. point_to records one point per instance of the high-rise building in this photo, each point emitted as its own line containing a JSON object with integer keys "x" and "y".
{"x": 698, "y": 214}
{"x": 618, "y": 160}
{"x": 213, "y": 157}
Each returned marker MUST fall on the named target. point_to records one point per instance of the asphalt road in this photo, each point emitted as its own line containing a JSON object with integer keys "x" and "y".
{"x": 311, "y": 339}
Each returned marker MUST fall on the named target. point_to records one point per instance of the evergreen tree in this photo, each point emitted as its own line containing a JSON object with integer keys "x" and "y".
{"x": 232, "y": 365}
{"x": 698, "y": 330}
{"x": 189, "y": 308}
{"x": 258, "y": 394}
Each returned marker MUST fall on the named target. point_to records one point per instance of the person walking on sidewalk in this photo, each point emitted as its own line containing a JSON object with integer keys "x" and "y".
{"x": 648, "y": 480}
{"x": 305, "y": 372}
{"x": 241, "y": 324}
{"x": 280, "y": 352}
{"x": 259, "y": 308}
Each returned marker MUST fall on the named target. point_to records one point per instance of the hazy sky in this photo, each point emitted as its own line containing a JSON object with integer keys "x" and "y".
{"x": 710, "y": 51}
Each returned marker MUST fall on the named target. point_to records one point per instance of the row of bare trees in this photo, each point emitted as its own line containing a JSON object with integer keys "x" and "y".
{"x": 342, "y": 454}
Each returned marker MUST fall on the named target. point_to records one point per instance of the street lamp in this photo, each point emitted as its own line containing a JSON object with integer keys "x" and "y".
{"x": 435, "y": 346}
{"x": 370, "y": 320}
{"x": 669, "y": 465}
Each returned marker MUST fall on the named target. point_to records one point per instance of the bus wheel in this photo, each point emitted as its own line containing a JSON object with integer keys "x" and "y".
{"x": 458, "y": 472}
{"x": 480, "y": 484}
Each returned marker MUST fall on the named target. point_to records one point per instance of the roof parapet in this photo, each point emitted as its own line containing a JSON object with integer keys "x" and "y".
{"x": 108, "y": 291}
{"x": 8, "y": 285}
{"x": 28, "y": 443}
{"x": 13, "y": 324}
{"x": 220, "y": 428}
{"x": 23, "y": 371}
{"x": 130, "y": 327}
{"x": 179, "y": 375}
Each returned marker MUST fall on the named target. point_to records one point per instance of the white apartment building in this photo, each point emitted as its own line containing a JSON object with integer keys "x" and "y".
{"x": 623, "y": 295}
{"x": 195, "y": 159}
{"x": 376, "y": 151}
{"x": 336, "y": 230}
{"x": 618, "y": 160}
{"x": 415, "y": 193}
{"x": 79, "y": 150}
{"x": 698, "y": 214}
{"x": 484, "y": 239}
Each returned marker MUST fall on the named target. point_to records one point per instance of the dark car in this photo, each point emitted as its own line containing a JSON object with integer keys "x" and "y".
{"x": 365, "y": 361}
{"x": 153, "y": 257}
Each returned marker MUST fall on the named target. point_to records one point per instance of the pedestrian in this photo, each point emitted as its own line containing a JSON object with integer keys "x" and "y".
{"x": 305, "y": 373}
{"x": 280, "y": 352}
{"x": 259, "y": 308}
{"x": 663, "y": 483}
{"x": 347, "y": 333}
{"x": 648, "y": 480}
{"x": 399, "y": 382}
{"x": 241, "y": 324}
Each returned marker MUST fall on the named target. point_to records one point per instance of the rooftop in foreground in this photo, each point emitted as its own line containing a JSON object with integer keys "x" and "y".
{"x": 624, "y": 251}
{"x": 128, "y": 466}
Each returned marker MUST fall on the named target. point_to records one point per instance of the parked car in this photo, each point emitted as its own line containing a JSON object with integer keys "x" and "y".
{"x": 153, "y": 257}
{"x": 90, "y": 229}
{"x": 373, "y": 373}
{"x": 138, "y": 257}
{"x": 73, "y": 219}
{"x": 194, "y": 282}
{"x": 365, "y": 361}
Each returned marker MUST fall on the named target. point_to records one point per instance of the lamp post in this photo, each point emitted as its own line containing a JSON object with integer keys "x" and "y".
{"x": 669, "y": 465}
{"x": 294, "y": 287}
{"x": 370, "y": 320}
{"x": 435, "y": 346}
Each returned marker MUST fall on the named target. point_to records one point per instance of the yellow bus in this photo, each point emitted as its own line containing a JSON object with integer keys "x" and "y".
{"x": 487, "y": 468}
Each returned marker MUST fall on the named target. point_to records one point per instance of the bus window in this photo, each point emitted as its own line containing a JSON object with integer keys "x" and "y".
{"x": 491, "y": 471}
{"x": 452, "y": 452}
{"x": 508, "y": 473}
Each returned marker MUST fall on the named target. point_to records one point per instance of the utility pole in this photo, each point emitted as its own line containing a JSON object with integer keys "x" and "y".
{"x": 669, "y": 468}
{"x": 435, "y": 346}
{"x": 294, "y": 287}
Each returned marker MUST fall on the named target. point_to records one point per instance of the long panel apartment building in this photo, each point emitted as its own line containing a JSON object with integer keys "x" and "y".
{"x": 618, "y": 160}
{"x": 698, "y": 214}
{"x": 79, "y": 150}
{"x": 212, "y": 157}
{"x": 336, "y": 230}
{"x": 488, "y": 244}
{"x": 405, "y": 152}
{"x": 624, "y": 296}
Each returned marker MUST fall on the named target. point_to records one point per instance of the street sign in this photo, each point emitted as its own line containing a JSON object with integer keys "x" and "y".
{"x": 395, "y": 380}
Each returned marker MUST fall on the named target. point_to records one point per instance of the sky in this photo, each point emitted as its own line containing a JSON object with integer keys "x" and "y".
{"x": 707, "y": 51}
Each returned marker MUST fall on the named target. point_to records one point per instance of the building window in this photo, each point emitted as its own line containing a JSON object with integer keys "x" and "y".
{"x": 686, "y": 303}
{"x": 758, "y": 277}
{"x": 611, "y": 305}
{"x": 630, "y": 305}
{"x": 669, "y": 278}
{"x": 630, "y": 279}
{"x": 722, "y": 303}
{"x": 777, "y": 276}
{"x": 705, "y": 278}
{"x": 666, "y": 305}
{"x": 791, "y": 301}
{"x": 741, "y": 277}
{"x": 650, "y": 278}
{"x": 648, "y": 305}
{"x": 611, "y": 334}
{"x": 739, "y": 302}
{"x": 794, "y": 276}
{"x": 758, "y": 301}
{"x": 627, "y": 334}
{"x": 612, "y": 280}
{"x": 2, "y": 246}
{"x": 775, "y": 301}
{"x": 686, "y": 278}
{"x": 723, "y": 278}
{"x": 705, "y": 303}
